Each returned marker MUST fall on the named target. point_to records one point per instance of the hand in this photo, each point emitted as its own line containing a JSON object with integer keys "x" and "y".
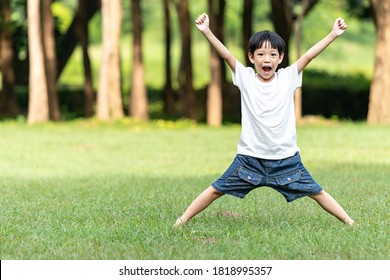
{"x": 339, "y": 26}
{"x": 202, "y": 22}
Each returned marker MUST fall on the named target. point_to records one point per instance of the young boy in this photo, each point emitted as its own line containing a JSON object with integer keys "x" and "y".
{"x": 267, "y": 152}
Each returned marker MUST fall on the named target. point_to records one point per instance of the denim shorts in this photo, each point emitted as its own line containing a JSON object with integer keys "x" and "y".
{"x": 287, "y": 176}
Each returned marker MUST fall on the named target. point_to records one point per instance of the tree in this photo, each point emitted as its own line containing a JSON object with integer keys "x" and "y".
{"x": 109, "y": 98}
{"x": 298, "y": 39}
{"x": 8, "y": 106}
{"x": 214, "y": 91}
{"x": 221, "y": 36}
{"x": 139, "y": 98}
{"x": 379, "y": 103}
{"x": 283, "y": 17}
{"x": 38, "y": 109}
{"x": 49, "y": 47}
{"x": 285, "y": 20}
{"x": 169, "y": 94}
{"x": 247, "y": 28}
{"x": 187, "y": 93}
{"x": 68, "y": 42}
{"x": 81, "y": 30}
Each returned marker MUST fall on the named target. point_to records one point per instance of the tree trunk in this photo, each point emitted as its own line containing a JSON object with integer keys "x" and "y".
{"x": 8, "y": 106}
{"x": 115, "y": 90}
{"x": 69, "y": 41}
{"x": 109, "y": 95}
{"x": 81, "y": 28}
{"x": 284, "y": 20}
{"x": 214, "y": 91}
{"x": 187, "y": 94}
{"x": 139, "y": 98}
{"x": 169, "y": 94}
{"x": 379, "y": 104}
{"x": 298, "y": 40}
{"x": 38, "y": 109}
{"x": 50, "y": 60}
{"x": 221, "y": 37}
{"x": 281, "y": 16}
{"x": 247, "y": 28}
{"x": 103, "y": 104}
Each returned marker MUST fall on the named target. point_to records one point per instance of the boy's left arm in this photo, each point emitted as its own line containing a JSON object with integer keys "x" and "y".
{"x": 339, "y": 27}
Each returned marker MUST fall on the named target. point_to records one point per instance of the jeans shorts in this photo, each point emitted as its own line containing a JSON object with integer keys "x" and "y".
{"x": 287, "y": 176}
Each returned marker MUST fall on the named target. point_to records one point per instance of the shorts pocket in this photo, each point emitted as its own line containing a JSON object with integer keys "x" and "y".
{"x": 249, "y": 176}
{"x": 289, "y": 178}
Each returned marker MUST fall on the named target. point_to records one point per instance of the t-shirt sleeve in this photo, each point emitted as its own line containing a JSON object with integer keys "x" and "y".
{"x": 296, "y": 77}
{"x": 238, "y": 74}
{"x": 290, "y": 75}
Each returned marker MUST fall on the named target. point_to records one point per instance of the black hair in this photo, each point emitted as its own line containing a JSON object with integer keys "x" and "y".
{"x": 262, "y": 37}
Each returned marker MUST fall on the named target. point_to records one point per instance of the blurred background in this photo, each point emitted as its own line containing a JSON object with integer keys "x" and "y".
{"x": 112, "y": 59}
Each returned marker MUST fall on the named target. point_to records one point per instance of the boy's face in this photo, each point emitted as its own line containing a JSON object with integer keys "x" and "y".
{"x": 266, "y": 61}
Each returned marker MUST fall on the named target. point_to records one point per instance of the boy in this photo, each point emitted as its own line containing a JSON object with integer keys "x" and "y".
{"x": 267, "y": 152}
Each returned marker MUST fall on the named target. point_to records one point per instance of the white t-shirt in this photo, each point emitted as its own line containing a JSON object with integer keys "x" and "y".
{"x": 267, "y": 109}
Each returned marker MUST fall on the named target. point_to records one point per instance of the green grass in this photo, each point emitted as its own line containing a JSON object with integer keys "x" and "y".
{"x": 89, "y": 190}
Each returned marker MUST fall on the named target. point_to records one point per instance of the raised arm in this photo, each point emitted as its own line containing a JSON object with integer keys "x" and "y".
{"x": 339, "y": 27}
{"x": 202, "y": 23}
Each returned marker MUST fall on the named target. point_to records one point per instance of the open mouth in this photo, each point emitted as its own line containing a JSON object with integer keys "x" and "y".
{"x": 267, "y": 69}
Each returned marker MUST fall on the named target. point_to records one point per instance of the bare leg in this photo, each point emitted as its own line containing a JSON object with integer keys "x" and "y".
{"x": 328, "y": 203}
{"x": 199, "y": 204}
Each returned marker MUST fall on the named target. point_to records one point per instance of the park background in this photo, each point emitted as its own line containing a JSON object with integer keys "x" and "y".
{"x": 159, "y": 66}
{"x": 100, "y": 165}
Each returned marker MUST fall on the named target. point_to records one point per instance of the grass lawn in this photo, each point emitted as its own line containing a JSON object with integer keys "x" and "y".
{"x": 89, "y": 190}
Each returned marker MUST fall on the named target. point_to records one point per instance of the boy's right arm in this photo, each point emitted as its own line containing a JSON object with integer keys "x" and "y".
{"x": 202, "y": 23}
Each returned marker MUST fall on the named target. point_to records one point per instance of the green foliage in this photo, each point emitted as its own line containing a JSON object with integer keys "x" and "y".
{"x": 19, "y": 22}
{"x": 360, "y": 8}
{"x": 345, "y": 96}
{"x": 63, "y": 14}
{"x": 92, "y": 190}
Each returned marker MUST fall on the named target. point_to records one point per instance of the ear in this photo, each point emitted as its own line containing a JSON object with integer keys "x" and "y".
{"x": 250, "y": 56}
{"x": 281, "y": 56}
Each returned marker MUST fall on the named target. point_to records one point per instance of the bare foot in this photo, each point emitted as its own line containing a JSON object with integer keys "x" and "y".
{"x": 349, "y": 221}
{"x": 179, "y": 223}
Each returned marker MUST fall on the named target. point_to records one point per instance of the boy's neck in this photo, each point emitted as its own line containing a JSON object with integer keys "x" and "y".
{"x": 261, "y": 79}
